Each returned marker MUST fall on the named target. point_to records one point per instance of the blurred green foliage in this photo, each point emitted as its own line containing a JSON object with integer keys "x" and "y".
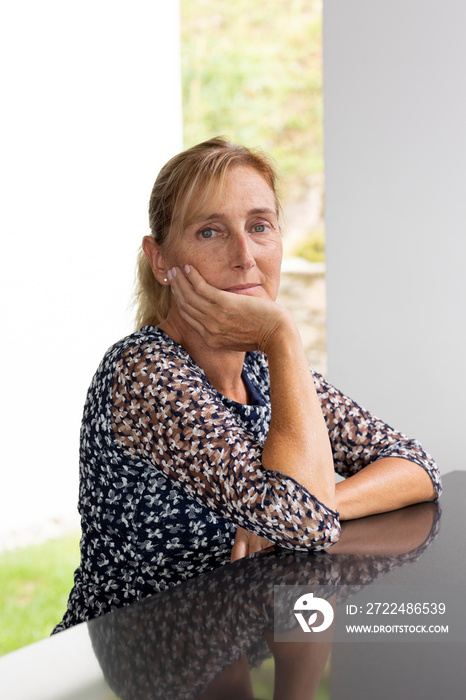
{"x": 313, "y": 247}
{"x": 253, "y": 72}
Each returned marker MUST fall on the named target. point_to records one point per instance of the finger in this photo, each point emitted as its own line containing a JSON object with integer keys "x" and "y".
{"x": 240, "y": 547}
{"x": 189, "y": 280}
{"x": 192, "y": 307}
{"x": 257, "y": 544}
{"x": 197, "y": 305}
{"x": 203, "y": 288}
{"x": 193, "y": 297}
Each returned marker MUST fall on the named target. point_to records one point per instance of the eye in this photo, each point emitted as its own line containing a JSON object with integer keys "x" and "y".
{"x": 260, "y": 228}
{"x": 207, "y": 233}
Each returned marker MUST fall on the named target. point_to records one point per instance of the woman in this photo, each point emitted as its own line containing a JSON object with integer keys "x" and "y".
{"x": 206, "y": 423}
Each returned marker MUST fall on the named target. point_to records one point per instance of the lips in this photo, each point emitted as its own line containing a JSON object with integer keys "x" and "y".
{"x": 242, "y": 288}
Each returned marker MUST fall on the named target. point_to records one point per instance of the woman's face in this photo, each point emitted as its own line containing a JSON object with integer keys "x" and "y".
{"x": 236, "y": 245}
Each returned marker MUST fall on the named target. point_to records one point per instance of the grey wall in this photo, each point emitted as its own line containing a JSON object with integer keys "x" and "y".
{"x": 395, "y": 159}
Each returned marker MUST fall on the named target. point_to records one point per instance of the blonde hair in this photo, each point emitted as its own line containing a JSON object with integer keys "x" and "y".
{"x": 183, "y": 188}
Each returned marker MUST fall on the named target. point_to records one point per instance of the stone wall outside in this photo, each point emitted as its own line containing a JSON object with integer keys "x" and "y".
{"x": 303, "y": 293}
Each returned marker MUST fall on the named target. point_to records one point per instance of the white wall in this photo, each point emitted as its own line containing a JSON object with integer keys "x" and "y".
{"x": 395, "y": 154}
{"x": 91, "y": 109}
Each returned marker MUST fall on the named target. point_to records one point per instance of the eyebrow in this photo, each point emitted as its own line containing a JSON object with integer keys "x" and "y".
{"x": 264, "y": 210}
{"x": 217, "y": 215}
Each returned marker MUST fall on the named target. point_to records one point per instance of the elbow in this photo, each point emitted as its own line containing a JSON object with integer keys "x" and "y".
{"x": 314, "y": 534}
{"x": 324, "y": 530}
{"x": 298, "y": 519}
{"x": 329, "y": 535}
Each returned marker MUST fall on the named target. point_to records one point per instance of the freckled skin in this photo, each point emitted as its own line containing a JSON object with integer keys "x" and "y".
{"x": 238, "y": 244}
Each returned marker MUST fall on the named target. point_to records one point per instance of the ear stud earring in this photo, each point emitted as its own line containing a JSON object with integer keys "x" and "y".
{"x": 165, "y": 279}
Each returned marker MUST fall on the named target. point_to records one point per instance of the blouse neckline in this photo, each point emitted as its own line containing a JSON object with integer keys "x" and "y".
{"x": 256, "y": 399}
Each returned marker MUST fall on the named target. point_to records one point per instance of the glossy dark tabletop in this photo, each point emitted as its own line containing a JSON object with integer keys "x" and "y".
{"x": 214, "y": 636}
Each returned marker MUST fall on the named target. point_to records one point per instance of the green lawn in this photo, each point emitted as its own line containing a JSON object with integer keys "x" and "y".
{"x": 34, "y": 586}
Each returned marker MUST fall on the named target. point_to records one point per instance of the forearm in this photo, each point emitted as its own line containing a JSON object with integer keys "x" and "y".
{"x": 384, "y": 485}
{"x": 297, "y": 444}
{"x": 387, "y": 534}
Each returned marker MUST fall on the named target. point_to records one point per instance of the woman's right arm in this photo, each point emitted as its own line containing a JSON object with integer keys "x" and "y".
{"x": 297, "y": 443}
{"x": 165, "y": 413}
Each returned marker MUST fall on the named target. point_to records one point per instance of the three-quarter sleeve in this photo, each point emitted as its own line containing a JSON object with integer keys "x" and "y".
{"x": 164, "y": 412}
{"x": 169, "y": 467}
{"x": 358, "y": 437}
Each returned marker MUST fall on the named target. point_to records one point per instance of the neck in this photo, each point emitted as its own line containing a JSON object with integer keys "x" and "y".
{"x": 223, "y": 368}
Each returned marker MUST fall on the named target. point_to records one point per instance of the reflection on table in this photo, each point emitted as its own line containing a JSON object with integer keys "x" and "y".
{"x": 202, "y": 638}
{"x": 213, "y": 636}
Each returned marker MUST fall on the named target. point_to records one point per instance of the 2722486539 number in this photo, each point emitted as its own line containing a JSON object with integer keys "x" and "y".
{"x": 405, "y": 608}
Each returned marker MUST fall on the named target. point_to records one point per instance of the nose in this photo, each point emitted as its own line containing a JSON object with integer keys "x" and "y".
{"x": 241, "y": 253}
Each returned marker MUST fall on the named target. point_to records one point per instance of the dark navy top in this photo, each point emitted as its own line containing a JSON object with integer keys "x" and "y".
{"x": 169, "y": 468}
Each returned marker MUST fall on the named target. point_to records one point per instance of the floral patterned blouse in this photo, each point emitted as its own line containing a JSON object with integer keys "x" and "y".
{"x": 169, "y": 468}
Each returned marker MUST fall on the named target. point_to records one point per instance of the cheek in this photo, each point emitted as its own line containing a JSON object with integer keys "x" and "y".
{"x": 180, "y": 255}
{"x": 274, "y": 260}
{"x": 208, "y": 263}
{"x": 212, "y": 269}
{"x": 272, "y": 271}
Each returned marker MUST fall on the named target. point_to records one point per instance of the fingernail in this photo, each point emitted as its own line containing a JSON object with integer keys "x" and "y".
{"x": 174, "y": 271}
{"x": 187, "y": 269}
{"x": 169, "y": 275}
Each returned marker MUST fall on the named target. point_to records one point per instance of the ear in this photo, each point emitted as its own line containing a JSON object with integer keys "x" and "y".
{"x": 155, "y": 257}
